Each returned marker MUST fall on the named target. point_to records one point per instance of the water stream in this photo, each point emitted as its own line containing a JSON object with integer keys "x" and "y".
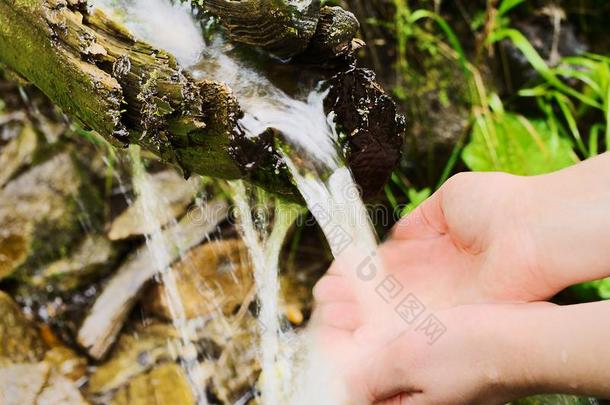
{"x": 152, "y": 209}
{"x": 325, "y": 183}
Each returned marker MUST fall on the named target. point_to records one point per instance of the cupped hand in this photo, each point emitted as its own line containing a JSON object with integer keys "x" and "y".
{"x": 466, "y": 246}
{"x": 412, "y": 347}
{"x": 474, "y": 237}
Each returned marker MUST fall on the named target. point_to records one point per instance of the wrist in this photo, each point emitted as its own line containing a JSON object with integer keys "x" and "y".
{"x": 568, "y": 222}
{"x": 548, "y": 348}
{"x": 521, "y": 363}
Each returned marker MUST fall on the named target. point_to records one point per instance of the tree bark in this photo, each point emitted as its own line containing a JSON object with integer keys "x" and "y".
{"x": 126, "y": 90}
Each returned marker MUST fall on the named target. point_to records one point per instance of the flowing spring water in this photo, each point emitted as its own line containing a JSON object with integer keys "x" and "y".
{"x": 265, "y": 251}
{"x": 152, "y": 209}
{"x": 326, "y": 183}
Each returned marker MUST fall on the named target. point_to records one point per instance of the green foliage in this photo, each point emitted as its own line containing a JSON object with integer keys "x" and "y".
{"x": 593, "y": 290}
{"x": 555, "y": 400}
{"x": 415, "y": 199}
{"x": 504, "y": 141}
{"x": 590, "y": 71}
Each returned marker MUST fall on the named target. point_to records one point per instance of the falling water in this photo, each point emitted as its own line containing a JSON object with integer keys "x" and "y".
{"x": 153, "y": 209}
{"x": 265, "y": 251}
{"x": 325, "y": 182}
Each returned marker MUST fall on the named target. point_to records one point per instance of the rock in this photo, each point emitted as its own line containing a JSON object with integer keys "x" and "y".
{"x": 111, "y": 308}
{"x": 371, "y": 135}
{"x": 37, "y": 384}
{"x": 20, "y": 341}
{"x": 55, "y": 191}
{"x": 334, "y": 36}
{"x": 236, "y": 370}
{"x": 166, "y": 384}
{"x": 28, "y": 375}
{"x": 296, "y": 299}
{"x": 93, "y": 257}
{"x": 20, "y": 384}
{"x": 135, "y": 353}
{"x": 216, "y": 276}
{"x": 17, "y": 153}
{"x": 60, "y": 390}
{"x": 178, "y": 193}
{"x": 66, "y": 362}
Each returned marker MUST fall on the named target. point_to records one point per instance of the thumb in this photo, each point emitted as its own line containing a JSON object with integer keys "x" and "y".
{"x": 426, "y": 221}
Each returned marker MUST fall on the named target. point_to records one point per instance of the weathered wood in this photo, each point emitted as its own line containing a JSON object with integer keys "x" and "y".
{"x": 277, "y": 26}
{"x": 130, "y": 92}
{"x": 126, "y": 90}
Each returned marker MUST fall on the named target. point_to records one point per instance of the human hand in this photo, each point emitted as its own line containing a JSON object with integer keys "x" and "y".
{"x": 450, "y": 354}
{"x": 510, "y": 238}
{"x": 474, "y": 232}
{"x": 462, "y": 354}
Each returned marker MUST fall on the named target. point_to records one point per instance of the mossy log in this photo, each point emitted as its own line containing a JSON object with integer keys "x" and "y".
{"x": 129, "y": 92}
{"x": 285, "y": 28}
{"x": 126, "y": 90}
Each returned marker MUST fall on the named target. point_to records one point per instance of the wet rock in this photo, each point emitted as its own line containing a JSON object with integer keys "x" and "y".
{"x": 36, "y": 384}
{"x": 112, "y": 306}
{"x": 20, "y": 341}
{"x": 372, "y": 133}
{"x": 178, "y": 193}
{"x": 17, "y": 153}
{"x": 92, "y": 258}
{"x": 66, "y": 362}
{"x": 216, "y": 276}
{"x": 334, "y": 36}
{"x": 29, "y": 374}
{"x": 296, "y": 299}
{"x": 236, "y": 370}
{"x": 20, "y": 384}
{"x": 60, "y": 390}
{"x": 134, "y": 354}
{"x": 370, "y": 125}
{"x": 166, "y": 384}
{"x": 41, "y": 213}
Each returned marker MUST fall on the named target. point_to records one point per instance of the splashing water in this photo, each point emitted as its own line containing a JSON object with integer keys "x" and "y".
{"x": 326, "y": 185}
{"x": 160, "y": 23}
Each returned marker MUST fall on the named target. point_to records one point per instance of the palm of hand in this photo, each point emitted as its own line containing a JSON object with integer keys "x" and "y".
{"x": 468, "y": 244}
{"x": 471, "y": 239}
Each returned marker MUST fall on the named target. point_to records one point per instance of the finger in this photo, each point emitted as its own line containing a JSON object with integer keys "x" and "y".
{"x": 426, "y": 221}
{"x": 333, "y": 288}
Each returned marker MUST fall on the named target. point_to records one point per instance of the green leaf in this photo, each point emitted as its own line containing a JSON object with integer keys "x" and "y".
{"x": 539, "y": 64}
{"x": 415, "y": 199}
{"x": 451, "y": 36}
{"x": 508, "y": 5}
{"x": 512, "y": 143}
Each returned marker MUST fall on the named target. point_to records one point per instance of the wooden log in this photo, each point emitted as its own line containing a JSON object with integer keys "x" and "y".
{"x": 126, "y": 90}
